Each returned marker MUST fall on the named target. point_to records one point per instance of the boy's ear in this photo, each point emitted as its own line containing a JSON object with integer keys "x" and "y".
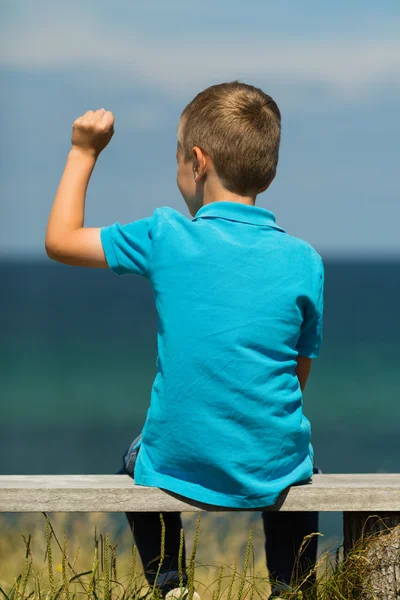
{"x": 199, "y": 160}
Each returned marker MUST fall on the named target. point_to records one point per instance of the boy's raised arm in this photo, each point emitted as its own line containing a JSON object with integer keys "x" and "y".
{"x": 67, "y": 240}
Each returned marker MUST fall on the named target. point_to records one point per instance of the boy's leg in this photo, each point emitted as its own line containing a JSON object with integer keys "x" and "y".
{"x": 146, "y": 528}
{"x": 284, "y": 534}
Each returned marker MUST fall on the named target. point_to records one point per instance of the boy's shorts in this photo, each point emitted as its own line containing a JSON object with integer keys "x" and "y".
{"x": 129, "y": 460}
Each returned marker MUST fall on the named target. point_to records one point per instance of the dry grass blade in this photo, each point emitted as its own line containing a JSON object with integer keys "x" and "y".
{"x": 232, "y": 581}
{"x": 192, "y": 560}
{"x": 180, "y": 558}
{"x": 217, "y": 593}
{"x": 64, "y": 568}
{"x": 303, "y": 546}
{"x": 246, "y": 563}
{"x": 162, "y": 555}
{"x": 92, "y": 581}
{"x": 49, "y": 557}
{"x": 132, "y": 579}
{"x": 114, "y": 561}
{"x": 106, "y": 588}
{"x": 27, "y": 566}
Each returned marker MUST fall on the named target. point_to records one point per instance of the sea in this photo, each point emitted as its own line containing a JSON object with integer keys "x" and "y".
{"x": 78, "y": 358}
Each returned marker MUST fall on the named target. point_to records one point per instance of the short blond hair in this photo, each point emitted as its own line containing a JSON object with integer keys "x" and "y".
{"x": 239, "y": 127}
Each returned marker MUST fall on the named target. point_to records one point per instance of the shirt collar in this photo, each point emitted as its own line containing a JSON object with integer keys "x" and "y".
{"x": 236, "y": 211}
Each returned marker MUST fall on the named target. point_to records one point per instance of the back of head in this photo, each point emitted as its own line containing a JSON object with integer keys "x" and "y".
{"x": 239, "y": 127}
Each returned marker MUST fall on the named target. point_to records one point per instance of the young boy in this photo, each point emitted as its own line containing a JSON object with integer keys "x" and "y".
{"x": 240, "y": 306}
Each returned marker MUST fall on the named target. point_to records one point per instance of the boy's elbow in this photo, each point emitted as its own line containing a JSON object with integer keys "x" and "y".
{"x": 49, "y": 247}
{"x": 80, "y": 248}
{"x": 54, "y": 250}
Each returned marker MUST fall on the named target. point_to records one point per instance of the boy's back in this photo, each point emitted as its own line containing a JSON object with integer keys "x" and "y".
{"x": 238, "y": 299}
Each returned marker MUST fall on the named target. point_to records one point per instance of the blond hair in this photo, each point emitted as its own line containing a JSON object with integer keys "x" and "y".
{"x": 239, "y": 127}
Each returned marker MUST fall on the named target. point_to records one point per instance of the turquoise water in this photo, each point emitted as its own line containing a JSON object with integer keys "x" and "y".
{"x": 78, "y": 359}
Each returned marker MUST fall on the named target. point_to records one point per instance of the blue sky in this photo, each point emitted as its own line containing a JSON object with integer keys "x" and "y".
{"x": 333, "y": 68}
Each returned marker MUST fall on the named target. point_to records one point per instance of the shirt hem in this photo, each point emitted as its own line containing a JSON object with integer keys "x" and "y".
{"x": 308, "y": 352}
{"x": 109, "y": 252}
{"x": 213, "y": 498}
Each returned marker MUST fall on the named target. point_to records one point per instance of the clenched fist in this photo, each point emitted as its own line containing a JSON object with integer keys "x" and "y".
{"x": 92, "y": 132}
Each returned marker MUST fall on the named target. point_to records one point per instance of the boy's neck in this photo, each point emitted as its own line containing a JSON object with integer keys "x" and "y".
{"x": 212, "y": 191}
{"x": 224, "y": 196}
{"x": 221, "y": 194}
{"x": 238, "y": 199}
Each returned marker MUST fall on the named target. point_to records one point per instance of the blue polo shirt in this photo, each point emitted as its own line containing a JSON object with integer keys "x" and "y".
{"x": 238, "y": 299}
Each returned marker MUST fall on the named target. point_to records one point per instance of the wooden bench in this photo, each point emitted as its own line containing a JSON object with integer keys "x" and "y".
{"x": 358, "y": 496}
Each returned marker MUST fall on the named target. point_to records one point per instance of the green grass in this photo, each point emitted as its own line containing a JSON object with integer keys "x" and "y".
{"x": 41, "y": 566}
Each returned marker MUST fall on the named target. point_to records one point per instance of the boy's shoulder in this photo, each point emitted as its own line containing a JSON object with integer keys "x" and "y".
{"x": 305, "y": 251}
{"x": 306, "y": 247}
{"x": 169, "y": 214}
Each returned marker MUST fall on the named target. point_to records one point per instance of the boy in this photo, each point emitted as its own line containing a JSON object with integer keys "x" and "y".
{"x": 240, "y": 305}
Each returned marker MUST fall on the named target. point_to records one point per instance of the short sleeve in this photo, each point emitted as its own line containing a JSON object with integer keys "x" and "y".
{"x": 310, "y": 341}
{"x": 128, "y": 248}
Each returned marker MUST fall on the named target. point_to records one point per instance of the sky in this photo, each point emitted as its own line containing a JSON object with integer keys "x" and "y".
{"x": 333, "y": 69}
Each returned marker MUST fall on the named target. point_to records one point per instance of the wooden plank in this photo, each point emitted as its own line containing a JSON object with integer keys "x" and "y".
{"x": 118, "y": 493}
